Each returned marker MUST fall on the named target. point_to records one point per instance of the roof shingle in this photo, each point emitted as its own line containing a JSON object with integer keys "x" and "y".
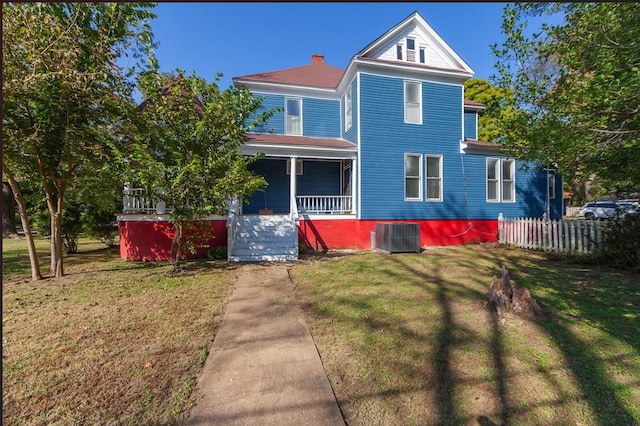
{"x": 319, "y": 75}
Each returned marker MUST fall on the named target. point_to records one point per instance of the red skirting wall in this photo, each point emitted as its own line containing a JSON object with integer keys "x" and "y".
{"x": 151, "y": 240}
{"x": 320, "y": 234}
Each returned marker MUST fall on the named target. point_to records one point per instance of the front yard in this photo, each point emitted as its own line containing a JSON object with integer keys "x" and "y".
{"x": 404, "y": 338}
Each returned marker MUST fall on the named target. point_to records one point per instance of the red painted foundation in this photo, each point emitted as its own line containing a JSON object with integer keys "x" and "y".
{"x": 151, "y": 240}
{"x": 320, "y": 234}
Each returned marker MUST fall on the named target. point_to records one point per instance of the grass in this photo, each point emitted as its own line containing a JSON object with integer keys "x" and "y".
{"x": 406, "y": 339}
{"x": 113, "y": 342}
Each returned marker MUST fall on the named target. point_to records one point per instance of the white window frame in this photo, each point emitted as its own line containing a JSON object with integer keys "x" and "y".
{"x": 422, "y": 50}
{"x": 287, "y": 129}
{"x": 414, "y": 50}
{"x": 551, "y": 185}
{"x": 400, "y": 52}
{"x": 419, "y": 177}
{"x": 500, "y": 180}
{"x": 432, "y": 178}
{"x": 406, "y": 102}
{"x": 348, "y": 108}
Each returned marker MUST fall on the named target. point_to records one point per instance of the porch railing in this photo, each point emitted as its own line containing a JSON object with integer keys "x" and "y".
{"x": 136, "y": 200}
{"x": 325, "y": 204}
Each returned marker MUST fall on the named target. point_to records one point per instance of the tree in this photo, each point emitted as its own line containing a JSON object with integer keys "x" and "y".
{"x": 8, "y": 211}
{"x": 185, "y": 149}
{"x": 496, "y": 99}
{"x": 62, "y": 90}
{"x": 576, "y": 85}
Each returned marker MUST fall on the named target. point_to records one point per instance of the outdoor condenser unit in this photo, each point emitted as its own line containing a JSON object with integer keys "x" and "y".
{"x": 398, "y": 237}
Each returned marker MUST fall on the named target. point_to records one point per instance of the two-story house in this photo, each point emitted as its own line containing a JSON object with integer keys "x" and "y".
{"x": 391, "y": 138}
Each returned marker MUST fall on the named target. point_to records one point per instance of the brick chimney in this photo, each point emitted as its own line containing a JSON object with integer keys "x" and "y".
{"x": 317, "y": 59}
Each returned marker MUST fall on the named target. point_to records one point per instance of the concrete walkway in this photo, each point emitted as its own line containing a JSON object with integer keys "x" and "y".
{"x": 263, "y": 368}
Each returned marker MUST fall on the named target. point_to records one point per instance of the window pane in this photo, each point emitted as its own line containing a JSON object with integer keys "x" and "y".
{"x": 412, "y": 188}
{"x": 411, "y": 44}
{"x": 507, "y": 169}
{"x": 412, "y": 165}
{"x": 492, "y": 190}
{"x": 422, "y": 56}
{"x": 293, "y": 125}
{"x": 293, "y": 107}
{"x": 399, "y": 52}
{"x": 507, "y": 191}
{"x": 413, "y": 113}
{"x": 433, "y": 188}
{"x": 492, "y": 170}
{"x": 433, "y": 166}
{"x": 412, "y": 92}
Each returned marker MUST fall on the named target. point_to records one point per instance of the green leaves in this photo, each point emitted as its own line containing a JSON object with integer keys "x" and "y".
{"x": 576, "y": 88}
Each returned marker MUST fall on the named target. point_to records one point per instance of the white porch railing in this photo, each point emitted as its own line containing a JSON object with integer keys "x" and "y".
{"x": 331, "y": 204}
{"x": 568, "y": 236}
{"x": 135, "y": 200}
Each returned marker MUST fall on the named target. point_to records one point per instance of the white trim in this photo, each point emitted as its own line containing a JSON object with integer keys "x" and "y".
{"x": 419, "y": 177}
{"x": 419, "y": 83}
{"x": 497, "y": 179}
{"x": 348, "y": 96}
{"x": 440, "y": 177}
{"x": 500, "y": 180}
{"x": 298, "y": 166}
{"x": 289, "y": 89}
{"x": 512, "y": 180}
{"x": 298, "y": 151}
{"x": 551, "y": 178}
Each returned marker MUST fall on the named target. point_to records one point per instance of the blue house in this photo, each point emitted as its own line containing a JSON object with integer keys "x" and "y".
{"x": 389, "y": 139}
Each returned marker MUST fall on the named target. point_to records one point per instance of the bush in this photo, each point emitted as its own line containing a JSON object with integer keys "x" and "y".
{"x": 100, "y": 224}
{"x": 217, "y": 253}
{"x": 621, "y": 245}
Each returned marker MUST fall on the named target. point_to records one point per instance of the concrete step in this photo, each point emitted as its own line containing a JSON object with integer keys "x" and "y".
{"x": 264, "y": 258}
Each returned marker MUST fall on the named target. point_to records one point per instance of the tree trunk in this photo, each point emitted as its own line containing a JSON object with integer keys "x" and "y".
{"x": 24, "y": 218}
{"x": 505, "y": 298}
{"x": 8, "y": 211}
{"x": 176, "y": 245}
{"x": 57, "y": 268}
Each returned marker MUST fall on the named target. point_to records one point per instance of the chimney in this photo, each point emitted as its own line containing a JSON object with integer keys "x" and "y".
{"x": 317, "y": 59}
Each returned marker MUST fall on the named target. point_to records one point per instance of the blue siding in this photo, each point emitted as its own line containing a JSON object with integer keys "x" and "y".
{"x": 352, "y": 134}
{"x": 276, "y": 195}
{"x": 385, "y": 138}
{"x": 319, "y": 178}
{"x": 470, "y": 120}
{"x": 276, "y": 123}
{"x": 321, "y": 117}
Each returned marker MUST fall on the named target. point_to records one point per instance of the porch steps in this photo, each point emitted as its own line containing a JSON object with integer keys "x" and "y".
{"x": 265, "y": 238}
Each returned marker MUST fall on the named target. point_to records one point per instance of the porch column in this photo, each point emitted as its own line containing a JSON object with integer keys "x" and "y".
{"x": 354, "y": 182}
{"x": 292, "y": 184}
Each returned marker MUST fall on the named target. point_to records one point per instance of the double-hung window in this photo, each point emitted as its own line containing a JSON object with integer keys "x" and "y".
{"x": 501, "y": 180}
{"x": 347, "y": 109}
{"x": 413, "y": 177}
{"x": 411, "y": 49}
{"x": 434, "y": 177}
{"x": 293, "y": 116}
{"x": 551, "y": 185}
{"x": 413, "y": 102}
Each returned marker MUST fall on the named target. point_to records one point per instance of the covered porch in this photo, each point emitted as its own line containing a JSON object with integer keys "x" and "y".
{"x": 318, "y": 173}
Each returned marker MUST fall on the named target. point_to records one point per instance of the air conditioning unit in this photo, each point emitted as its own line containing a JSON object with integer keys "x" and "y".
{"x": 397, "y": 237}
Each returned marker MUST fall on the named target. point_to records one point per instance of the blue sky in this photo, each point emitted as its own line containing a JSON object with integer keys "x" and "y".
{"x": 246, "y": 38}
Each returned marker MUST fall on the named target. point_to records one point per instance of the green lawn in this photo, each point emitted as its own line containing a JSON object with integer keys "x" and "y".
{"x": 407, "y": 339}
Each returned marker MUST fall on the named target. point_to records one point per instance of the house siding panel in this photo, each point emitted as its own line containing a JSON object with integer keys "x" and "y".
{"x": 276, "y": 122}
{"x": 470, "y": 119}
{"x": 276, "y": 194}
{"x": 385, "y": 138}
{"x": 321, "y": 118}
{"x": 319, "y": 178}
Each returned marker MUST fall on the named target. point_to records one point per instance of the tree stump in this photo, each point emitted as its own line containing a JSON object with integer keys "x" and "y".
{"x": 505, "y": 298}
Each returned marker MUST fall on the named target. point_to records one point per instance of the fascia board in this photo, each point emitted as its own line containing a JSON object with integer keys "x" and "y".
{"x": 288, "y": 89}
{"x": 299, "y": 151}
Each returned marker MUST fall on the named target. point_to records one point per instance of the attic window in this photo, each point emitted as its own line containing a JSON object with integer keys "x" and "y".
{"x": 411, "y": 50}
{"x": 422, "y": 55}
{"x": 399, "y": 52}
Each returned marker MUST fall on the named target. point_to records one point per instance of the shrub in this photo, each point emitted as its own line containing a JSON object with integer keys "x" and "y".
{"x": 217, "y": 253}
{"x": 621, "y": 245}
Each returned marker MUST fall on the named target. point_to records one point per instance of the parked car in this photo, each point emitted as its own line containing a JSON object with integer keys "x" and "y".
{"x": 627, "y": 208}
{"x": 599, "y": 210}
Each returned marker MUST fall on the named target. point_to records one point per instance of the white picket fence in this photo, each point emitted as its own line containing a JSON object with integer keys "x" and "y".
{"x": 567, "y": 236}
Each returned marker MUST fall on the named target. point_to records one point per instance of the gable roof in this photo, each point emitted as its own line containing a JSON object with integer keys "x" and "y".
{"x": 439, "y": 53}
{"x": 318, "y": 75}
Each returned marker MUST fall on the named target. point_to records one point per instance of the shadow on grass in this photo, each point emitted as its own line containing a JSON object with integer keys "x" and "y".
{"x": 545, "y": 280}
